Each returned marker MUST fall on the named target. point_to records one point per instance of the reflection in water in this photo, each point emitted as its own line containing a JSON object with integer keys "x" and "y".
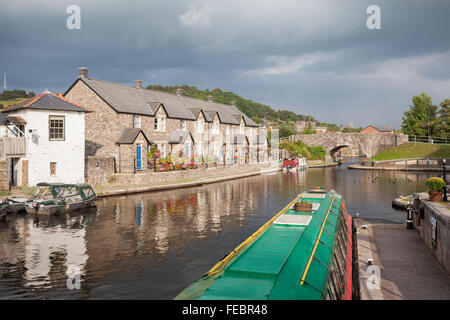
{"x": 153, "y": 245}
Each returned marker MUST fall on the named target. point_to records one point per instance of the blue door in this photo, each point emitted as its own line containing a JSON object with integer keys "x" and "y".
{"x": 139, "y": 157}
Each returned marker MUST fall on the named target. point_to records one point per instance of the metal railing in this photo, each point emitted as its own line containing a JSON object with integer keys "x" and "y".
{"x": 445, "y": 167}
{"x": 429, "y": 139}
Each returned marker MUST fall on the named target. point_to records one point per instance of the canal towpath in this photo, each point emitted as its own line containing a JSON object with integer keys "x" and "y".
{"x": 406, "y": 267}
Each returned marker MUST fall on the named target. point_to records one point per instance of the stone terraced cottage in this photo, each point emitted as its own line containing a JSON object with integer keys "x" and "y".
{"x": 127, "y": 120}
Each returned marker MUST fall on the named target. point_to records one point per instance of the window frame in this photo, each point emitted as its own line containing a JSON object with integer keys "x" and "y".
{"x": 137, "y": 120}
{"x": 57, "y": 117}
{"x": 54, "y": 169}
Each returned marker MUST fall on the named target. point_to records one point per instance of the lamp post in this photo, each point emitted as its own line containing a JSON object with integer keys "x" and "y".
{"x": 444, "y": 169}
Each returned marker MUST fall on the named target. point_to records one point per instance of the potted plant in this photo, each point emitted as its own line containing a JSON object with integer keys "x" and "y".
{"x": 303, "y": 206}
{"x": 435, "y": 187}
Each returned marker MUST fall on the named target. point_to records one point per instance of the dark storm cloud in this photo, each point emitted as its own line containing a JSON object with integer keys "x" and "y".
{"x": 313, "y": 57}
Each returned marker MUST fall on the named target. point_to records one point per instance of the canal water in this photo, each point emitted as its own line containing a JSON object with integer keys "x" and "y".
{"x": 153, "y": 245}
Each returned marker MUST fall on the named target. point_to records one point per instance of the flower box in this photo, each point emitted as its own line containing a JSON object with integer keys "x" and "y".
{"x": 303, "y": 207}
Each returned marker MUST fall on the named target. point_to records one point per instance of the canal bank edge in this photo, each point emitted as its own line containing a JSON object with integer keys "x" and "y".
{"x": 423, "y": 169}
{"x": 366, "y": 253}
{"x": 179, "y": 184}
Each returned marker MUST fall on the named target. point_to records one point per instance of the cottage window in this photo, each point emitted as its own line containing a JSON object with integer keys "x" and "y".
{"x": 228, "y": 130}
{"x": 52, "y": 168}
{"x": 137, "y": 121}
{"x": 160, "y": 123}
{"x": 56, "y": 128}
{"x": 200, "y": 126}
{"x": 216, "y": 126}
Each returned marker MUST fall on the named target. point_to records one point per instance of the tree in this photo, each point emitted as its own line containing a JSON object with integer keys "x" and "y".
{"x": 309, "y": 129}
{"x": 442, "y": 123}
{"x": 286, "y": 131}
{"x": 420, "y": 118}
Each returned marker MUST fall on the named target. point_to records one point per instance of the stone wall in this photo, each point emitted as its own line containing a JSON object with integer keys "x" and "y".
{"x": 99, "y": 170}
{"x": 354, "y": 144}
{"x": 406, "y": 163}
{"x": 155, "y": 178}
{"x": 441, "y": 215}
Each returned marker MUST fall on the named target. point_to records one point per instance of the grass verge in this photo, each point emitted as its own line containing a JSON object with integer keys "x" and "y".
{"x": 414, "y": 150}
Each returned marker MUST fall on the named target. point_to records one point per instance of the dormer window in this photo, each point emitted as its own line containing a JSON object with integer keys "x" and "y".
{"x": 200, "y": 126}
{"x": 160, "y": 123}
{"x": 137, "y": 121}
{"x": 216, "y": 126}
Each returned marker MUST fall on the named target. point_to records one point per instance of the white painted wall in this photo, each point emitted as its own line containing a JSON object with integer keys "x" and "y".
{"x": 68, "y": 154}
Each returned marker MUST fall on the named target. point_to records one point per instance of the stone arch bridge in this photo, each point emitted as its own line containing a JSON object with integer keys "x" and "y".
{"x": 353, "y": 144}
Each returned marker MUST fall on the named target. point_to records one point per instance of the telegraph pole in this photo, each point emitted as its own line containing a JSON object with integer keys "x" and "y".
{"x": 4, "y": 82}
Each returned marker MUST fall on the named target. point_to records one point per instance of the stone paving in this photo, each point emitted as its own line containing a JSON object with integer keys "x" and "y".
{"x": 408, "y": 269}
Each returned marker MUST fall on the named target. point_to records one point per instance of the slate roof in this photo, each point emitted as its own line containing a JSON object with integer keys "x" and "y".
{"x": 382, "y": 128}
{"x": 129, "y": 135}
{"x": 179, "y": 136}
{"x": 128, "y": 99}
{"x": 47, "y": 101}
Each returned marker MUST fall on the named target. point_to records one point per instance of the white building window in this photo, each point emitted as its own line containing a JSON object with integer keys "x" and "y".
{"x": 227, "y": 130}
{"x": 137, "y": 121}
{"x": 56, "y": 128}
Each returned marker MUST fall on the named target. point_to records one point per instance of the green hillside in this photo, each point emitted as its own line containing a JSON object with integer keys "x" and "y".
{"x": 257, "y": 111}
{"x": 10, "y": 97}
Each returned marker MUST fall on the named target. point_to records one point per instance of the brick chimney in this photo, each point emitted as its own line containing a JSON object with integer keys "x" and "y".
{"x": 179, "y": 92}
{"x": 209, "y": 98}
{"x": 138, "y": 84}
{"x": 83, "y": 72}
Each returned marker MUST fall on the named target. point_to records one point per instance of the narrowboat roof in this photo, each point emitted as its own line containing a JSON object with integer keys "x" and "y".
{"x": 288, "y": 258}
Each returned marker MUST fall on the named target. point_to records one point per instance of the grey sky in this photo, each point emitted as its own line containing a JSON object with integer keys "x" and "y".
{"x": 312, "y": 57}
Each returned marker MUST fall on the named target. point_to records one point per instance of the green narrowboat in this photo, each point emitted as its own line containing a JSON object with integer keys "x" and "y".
{"x": 59, "y": 198}
{"x": 303, "y": 253}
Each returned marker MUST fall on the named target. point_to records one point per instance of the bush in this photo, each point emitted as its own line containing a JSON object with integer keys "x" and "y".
{"x": 299, "y": 148}
{"x": 435, "y": 184}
